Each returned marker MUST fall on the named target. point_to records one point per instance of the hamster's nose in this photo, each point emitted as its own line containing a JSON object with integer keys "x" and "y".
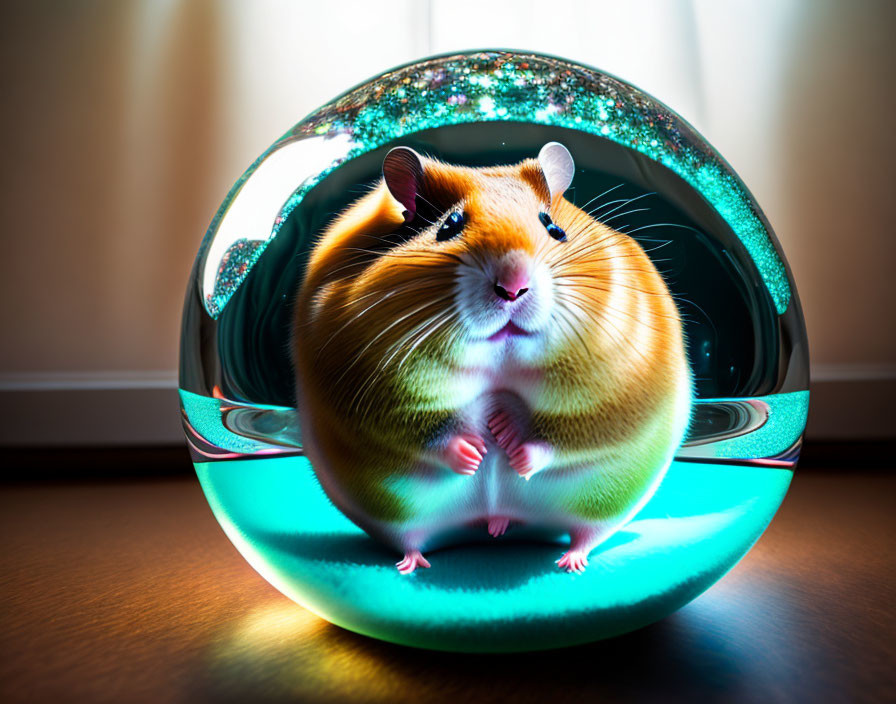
{"x": 511, "y": 287}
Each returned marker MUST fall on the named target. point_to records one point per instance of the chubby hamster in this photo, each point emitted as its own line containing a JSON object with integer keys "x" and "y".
{"x": 473, "y": 351}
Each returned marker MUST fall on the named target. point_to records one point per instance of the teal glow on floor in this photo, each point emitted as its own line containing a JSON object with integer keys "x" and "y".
{"x": 500, "y": 595}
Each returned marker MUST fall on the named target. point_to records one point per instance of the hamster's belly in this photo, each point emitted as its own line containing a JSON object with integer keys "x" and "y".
{"x": 440, "y": 507}
{"x": 445, "y": 501}
{"x": 625, "y": 478}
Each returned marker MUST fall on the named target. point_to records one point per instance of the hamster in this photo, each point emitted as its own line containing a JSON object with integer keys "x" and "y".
{"x": 472, "y": 349}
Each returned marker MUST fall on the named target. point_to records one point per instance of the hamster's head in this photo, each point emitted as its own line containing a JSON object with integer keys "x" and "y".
{"x": 500, "y": 247}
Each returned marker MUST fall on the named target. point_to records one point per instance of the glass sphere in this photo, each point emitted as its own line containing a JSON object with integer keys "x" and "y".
{"x": 640, "y": 169}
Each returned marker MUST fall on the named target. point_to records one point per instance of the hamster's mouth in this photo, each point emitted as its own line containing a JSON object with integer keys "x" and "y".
{"x": 509, "y": 330}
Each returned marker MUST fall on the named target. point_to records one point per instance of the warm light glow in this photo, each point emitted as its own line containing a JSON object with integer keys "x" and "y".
{"x": 252, "y": 215}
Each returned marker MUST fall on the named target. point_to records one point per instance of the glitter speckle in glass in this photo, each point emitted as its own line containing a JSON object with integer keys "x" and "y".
{"x": 512, "y": 87}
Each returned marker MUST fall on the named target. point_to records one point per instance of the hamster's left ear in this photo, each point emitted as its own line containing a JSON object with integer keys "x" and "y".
{"x": 403, "y": 174}
{"x": 557, "y": 166}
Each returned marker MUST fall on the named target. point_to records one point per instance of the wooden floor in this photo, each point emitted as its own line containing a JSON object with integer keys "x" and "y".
{"x": 128, "y": 591}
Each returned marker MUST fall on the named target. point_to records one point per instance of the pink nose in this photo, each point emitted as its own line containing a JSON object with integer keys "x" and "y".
{"x": 512, "y": 285}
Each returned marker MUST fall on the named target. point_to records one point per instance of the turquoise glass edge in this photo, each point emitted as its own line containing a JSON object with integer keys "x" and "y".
{"x": 787, "y": 416}
{"x": 786, "y": 421}
{"x": 706, "y": 172}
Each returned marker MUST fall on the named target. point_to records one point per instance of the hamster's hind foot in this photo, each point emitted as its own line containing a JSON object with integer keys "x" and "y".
{"x": 497, "y": 526}
{"x": 573, "y": 561}
{"x": 584, "y": 540}
{"x": 464, "y": 453}
{"x": 412, "y": 560}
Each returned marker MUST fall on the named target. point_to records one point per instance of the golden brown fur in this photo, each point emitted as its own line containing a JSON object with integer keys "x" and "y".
{"x": 380, "y": 346}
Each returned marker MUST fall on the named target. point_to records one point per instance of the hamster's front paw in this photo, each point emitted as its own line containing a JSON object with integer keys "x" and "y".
{"x": 464, "y": 453}
{"x": 530, "y": 458}
{"x": 504, "y": 428}
{"x": 525, "y": 458}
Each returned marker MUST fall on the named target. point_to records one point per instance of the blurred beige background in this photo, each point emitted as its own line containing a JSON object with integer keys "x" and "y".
{"x": 125, "y": 124}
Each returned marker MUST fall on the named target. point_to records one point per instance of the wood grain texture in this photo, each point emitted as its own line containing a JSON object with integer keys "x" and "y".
{"x": 129, "y": 591}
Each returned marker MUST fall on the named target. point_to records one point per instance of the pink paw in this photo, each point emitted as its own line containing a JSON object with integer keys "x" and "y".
{"x": 529, "y": 459}
{"x": 498, "y": 526}
{"x": 502, "y": 426}
{"x": 412, "y": 560}
{"x": 574, "y": 561}
{"x": 526, "y": 458}
{"x": 464, "y": 453}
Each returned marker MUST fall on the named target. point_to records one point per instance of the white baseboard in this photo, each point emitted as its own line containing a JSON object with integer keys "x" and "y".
{"x": 853, "y": 372}
{"x": 88, "y": 381}
{"x": 141, "y": 408}
{"x": 90, "y": 417}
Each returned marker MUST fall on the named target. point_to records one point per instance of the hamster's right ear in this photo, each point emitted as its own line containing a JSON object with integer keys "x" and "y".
{"x": 403, "y": 174}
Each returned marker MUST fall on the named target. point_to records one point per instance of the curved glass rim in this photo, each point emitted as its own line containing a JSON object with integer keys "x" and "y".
{"x": 499, "y": 86}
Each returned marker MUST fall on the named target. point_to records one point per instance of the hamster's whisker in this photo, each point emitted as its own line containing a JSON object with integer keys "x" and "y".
{"x": 375, "y": 252}
{"x": 602, "y": 217}
{"x": 562, "y": 266}
{"x": 435, "y": 208}
{"x": 363, "y": 254}
{"x": 543, "y": 250}
{"x": 356, "y": 261}
{"x": 382, "y": 332}
{"x": 663, "y": 224}
{"x": 433, "y": 327}
{"x": 601, "y": 239}
{"x": 354, "y": 318}
{"x": 613, "y": 257}
{"x": 597, "y": 197}
{"x": 425, "y": 327}
{"x": 577, "y": 254}
{"x": 563, "y": 313}
{"x": 659, "y": 246}
{"x": 593, "y": 211}
{"x": 437, "y": 255}
{"x": 417, "y": 329}
{"x": 474, "y": 263}
{"x": 429, "y": 202}
{"x": 620, "y": 337}
{"x": 426, "y": 220}
{"x": 353, "y": 300}
{"x": 387, "y": 237}
{"x": 619, "y": 271}
{"x": 604, "y": 289}
{"x": 412, "y": 286}
{"x": 420, "y": 261}
{"x": 619, "y": 311}
{"x": 624, "y": 213}
{"x": 393, "y": 252}
{"x": 590, "y": 281}
{"x": 347, "y": 304}
{"x": 695, "y": 305}
{"x": 607, "y": 240}
{"x": 641, "y": 239}
{"x": 577, "y": 258}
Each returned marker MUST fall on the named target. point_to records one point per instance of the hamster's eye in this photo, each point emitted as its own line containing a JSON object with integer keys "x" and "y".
{"x": 452, "y": 226}
{"x": 553, "y": 230}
